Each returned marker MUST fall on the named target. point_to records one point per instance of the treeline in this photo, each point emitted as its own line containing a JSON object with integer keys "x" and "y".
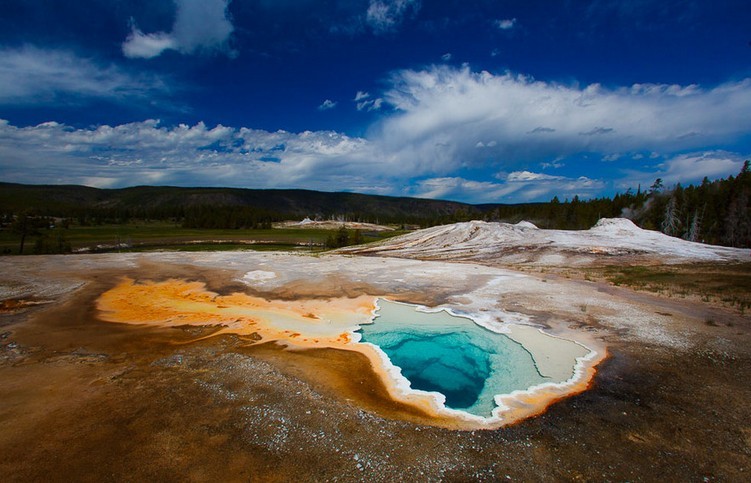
{"x": 228, "y": 217}
{"x": 575, "y": 214}
{"x": 103, "y": 206}
{"x": 342, "y": 238}
{"x": 210, "y": 216}
{"x": 49, "y": 238}
{"x": 201, "y": 217}
{"x": 716, "y": 212}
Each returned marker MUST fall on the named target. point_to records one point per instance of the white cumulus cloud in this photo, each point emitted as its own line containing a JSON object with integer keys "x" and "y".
{"x": 385, "y": 15}
{"x": 712, "y": 164}
{"x": 528, "y": 185}
{"x": 518, "y": 186}
{"x": 326, "y": 105}
{"x": 524, "y": 176}
{"x": 146, "y": 46}
{"x": 443, "y": 121}
{"x": 687, "y": 168}
{"x": 30, "y": 75}
{"x": 443, "y": 113}
{"x": 460, "y": 188}
{"x": 363, "y": 101}
{"x": 148, "y": 153}
{"x": 506, "y": 24}
{"x": 200, "y": 26}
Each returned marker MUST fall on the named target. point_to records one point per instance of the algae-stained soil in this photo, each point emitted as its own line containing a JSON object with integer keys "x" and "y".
{"x": 81, "y": 399}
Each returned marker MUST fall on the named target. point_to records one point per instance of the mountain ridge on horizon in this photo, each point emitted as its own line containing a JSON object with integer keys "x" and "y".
{"x": 282, "y": 201}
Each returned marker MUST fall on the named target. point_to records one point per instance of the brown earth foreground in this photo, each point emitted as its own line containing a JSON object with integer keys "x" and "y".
{"x": 86, "y": 400}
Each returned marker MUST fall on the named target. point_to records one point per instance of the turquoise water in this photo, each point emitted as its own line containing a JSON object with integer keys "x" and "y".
{"x": 451, "y": 355}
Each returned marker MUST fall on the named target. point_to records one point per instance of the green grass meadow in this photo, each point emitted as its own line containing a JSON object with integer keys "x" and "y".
{"x": 145, "y": 236}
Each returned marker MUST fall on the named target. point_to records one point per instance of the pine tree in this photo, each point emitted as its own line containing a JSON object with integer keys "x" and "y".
{"x": 738, "y": 215}
{"x": 342, "y": 237}
{"x": 671, "y": 222}
{"x": 357, "y": 238}
{"x": 54, "y": 242}
{"x": 25, "y": 225}
{"x": 694, "y": 232}
{"x": 331, "y": 241}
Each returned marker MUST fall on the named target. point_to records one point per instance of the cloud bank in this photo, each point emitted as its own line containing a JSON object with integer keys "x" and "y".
{"x": 147, "y": 153}
{"x": 519, "y": 185}
{"x": 448, "y": 117}
{"x": 443, "y": 133}
{"x": 200, "y": 26}
{"x": 29, "y": 76}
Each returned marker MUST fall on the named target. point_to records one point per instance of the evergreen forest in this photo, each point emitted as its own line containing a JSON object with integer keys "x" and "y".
{"x": 715, "y": 212}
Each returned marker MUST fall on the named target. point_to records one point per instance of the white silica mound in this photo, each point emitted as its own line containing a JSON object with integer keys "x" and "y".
{"x": 526, "y": 224}
{"x": 612, "y": 225}
{"x": 523, "y": 242}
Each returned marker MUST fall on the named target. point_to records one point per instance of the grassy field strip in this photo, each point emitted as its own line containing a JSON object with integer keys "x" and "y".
{"x": 159, "y": 235}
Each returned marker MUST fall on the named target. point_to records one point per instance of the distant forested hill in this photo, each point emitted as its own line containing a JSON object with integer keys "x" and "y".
{"x": 198, "y": 205}
{"x": 717, "y": 212}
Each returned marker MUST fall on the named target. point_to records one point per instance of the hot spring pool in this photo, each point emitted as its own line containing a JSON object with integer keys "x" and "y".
{"x": 486, "y": 379}
{"x": 452, "y": 355}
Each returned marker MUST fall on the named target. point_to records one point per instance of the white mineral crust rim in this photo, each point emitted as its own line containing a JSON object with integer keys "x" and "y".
{"x": 533, "y": 339}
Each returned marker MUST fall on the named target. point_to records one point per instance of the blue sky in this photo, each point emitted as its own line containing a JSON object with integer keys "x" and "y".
{"x": 476, "y": 101}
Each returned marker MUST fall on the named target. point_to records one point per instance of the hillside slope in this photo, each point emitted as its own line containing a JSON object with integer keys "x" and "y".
{"x": 70, "y": 200}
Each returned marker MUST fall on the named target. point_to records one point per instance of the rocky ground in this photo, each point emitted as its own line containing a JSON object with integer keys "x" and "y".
{"x": 93, "y": 401}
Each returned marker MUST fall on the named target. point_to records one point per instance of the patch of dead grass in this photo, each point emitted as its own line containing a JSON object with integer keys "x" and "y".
{"x": 726, "y": 285}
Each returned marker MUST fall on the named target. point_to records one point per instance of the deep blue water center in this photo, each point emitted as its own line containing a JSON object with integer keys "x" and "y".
{"x": 451, "y": 355}
{"x": 448, "y": 363}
